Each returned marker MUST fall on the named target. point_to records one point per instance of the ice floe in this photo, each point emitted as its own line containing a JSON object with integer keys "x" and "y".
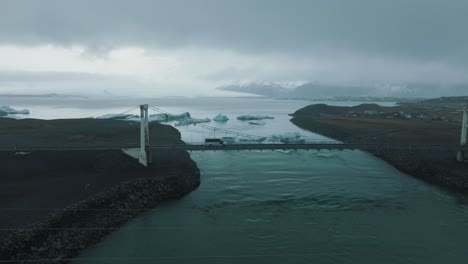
{"x": 8, "y": 110}
{"x": 151, "y": 118}
{"x": 183, "y": 119}
{"x": 192, "y": 121}
{"x": 325, "y": 155}
{"x": 220, "y": 118}
{"x": 288, "y": 138}
{"x": 168, "y": 118}
{"x": 281, "y": 138}
{"x": 283, "y": 151}
{"x": 117, "y": 116}
{"x": 258, "y": 123}
{"x": 252, "y": 117}
{"x": 229, "y": 140}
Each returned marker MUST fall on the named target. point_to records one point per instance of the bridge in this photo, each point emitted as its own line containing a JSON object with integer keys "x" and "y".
{"x": 261, "y": 146}
{"x": 143, "y": 151}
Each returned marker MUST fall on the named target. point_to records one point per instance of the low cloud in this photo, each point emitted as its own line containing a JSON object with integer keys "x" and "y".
{"x": 206, "y": 43}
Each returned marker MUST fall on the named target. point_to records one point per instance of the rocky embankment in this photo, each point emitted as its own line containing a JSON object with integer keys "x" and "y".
{"x": 54, "y": 204}
{"x": 440, "y": 168}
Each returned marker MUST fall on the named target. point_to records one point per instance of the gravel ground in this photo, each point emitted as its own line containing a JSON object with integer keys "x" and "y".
{"x": 52, "y": 201}
{"x": 439, "y": 168}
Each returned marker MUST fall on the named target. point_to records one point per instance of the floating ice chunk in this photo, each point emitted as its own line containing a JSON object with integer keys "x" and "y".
{"x": 325, "y": 155}
{"x": 23, "y": 153}
{"x": 117, "y": 116}
{"x": 192, "y": 121}
{"x": 257, "y": 123}
{"x": 151, "y": 118}
{"x": 182, "y": 116}
{"x": 8, "y": 110}
{"x": 229, "y": 140}
{"x": 288, "y": 138}
{"x": 220, "y": 118}
{"x": 248, "y": 140}
{"x": 157, "y": 118}
{"x": 168, "y": 117}
{"x": 251, "y": 117}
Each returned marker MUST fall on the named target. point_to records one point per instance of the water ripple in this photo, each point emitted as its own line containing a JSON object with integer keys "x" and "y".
{"x": 320, "y": 201}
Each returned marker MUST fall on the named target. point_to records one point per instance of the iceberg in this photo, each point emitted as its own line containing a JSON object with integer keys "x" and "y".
{"x": 229, "y": 140}
{"x": 183, "y": 119}
{"x": 288, "y": 138}
{"x": 8, "y": 110}
{"x": 156, "y": 118}
{"x": 249, "y": 140}
{"x": 192, "y": 121}
{"x": 151, "y": 118}
{"x": 117, "y": 116}
{"x": 257, "y": 123}
{"x": 251, "y": 117}
{"x": 220, "y": 118}
{"x": 182, "y": 116}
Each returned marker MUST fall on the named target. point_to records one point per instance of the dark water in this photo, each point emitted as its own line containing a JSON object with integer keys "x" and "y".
{"x": 290, "y": 207}
{"x": 297, "y": 207}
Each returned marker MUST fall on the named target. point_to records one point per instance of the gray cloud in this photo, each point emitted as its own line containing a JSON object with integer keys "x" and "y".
{"x": 224, "y": 41}
{"x": 7, "y": 77}
{"x": 423, "y": 30}
{"x": 64, "y": 82}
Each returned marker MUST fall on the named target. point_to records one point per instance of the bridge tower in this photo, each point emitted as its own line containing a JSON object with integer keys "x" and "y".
{"x": 144, "y": 156}
{"x": 461, "y": 154}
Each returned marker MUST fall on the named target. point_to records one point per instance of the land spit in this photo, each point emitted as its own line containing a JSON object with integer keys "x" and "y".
{"x": 54, "y": 204}
{"x": 370, "y": 123}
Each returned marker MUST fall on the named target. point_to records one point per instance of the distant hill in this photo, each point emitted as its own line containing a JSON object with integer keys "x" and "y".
{"x": 320, "y": 109}
{"x": 315, "y": 90}
{"x": 450, "y": 100}
{"x": 268, "y": 90}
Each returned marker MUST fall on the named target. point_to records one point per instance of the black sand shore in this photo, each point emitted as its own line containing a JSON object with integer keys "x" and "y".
{"x": 439, "y": 168}
{"x": 53, "y": 204}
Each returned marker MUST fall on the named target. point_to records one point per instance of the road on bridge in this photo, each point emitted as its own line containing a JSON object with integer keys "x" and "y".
{"x": 265, "y": 146}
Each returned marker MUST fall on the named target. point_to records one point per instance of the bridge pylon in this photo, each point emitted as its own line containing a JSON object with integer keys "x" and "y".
{"x": 464, "y": 128}
{"x": 145, "y": 154}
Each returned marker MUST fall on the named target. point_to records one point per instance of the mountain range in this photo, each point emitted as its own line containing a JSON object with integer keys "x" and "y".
{"x": 315, "y": 90}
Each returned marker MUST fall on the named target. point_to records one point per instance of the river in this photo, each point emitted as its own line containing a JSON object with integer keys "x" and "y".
{"x": 288, "y": 206}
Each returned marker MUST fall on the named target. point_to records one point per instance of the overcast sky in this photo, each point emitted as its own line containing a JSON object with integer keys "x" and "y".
{"x": 176, "y": 47}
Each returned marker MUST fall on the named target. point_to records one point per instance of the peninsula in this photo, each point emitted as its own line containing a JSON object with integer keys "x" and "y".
{"x": 436, "y": 121}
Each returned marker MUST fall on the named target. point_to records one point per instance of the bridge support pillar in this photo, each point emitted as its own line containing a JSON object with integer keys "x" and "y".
{"x": 145, "y": 154}
{"x": 461, "y": 154}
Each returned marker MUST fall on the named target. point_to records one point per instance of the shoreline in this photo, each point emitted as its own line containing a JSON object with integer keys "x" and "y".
{"x": 55, "y": 204}
{"x": 440, "y": 169}
{"x": 67, "y": 233}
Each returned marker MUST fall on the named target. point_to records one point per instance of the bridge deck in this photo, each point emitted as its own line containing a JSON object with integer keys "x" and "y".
{"x": 267, "y": 146}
